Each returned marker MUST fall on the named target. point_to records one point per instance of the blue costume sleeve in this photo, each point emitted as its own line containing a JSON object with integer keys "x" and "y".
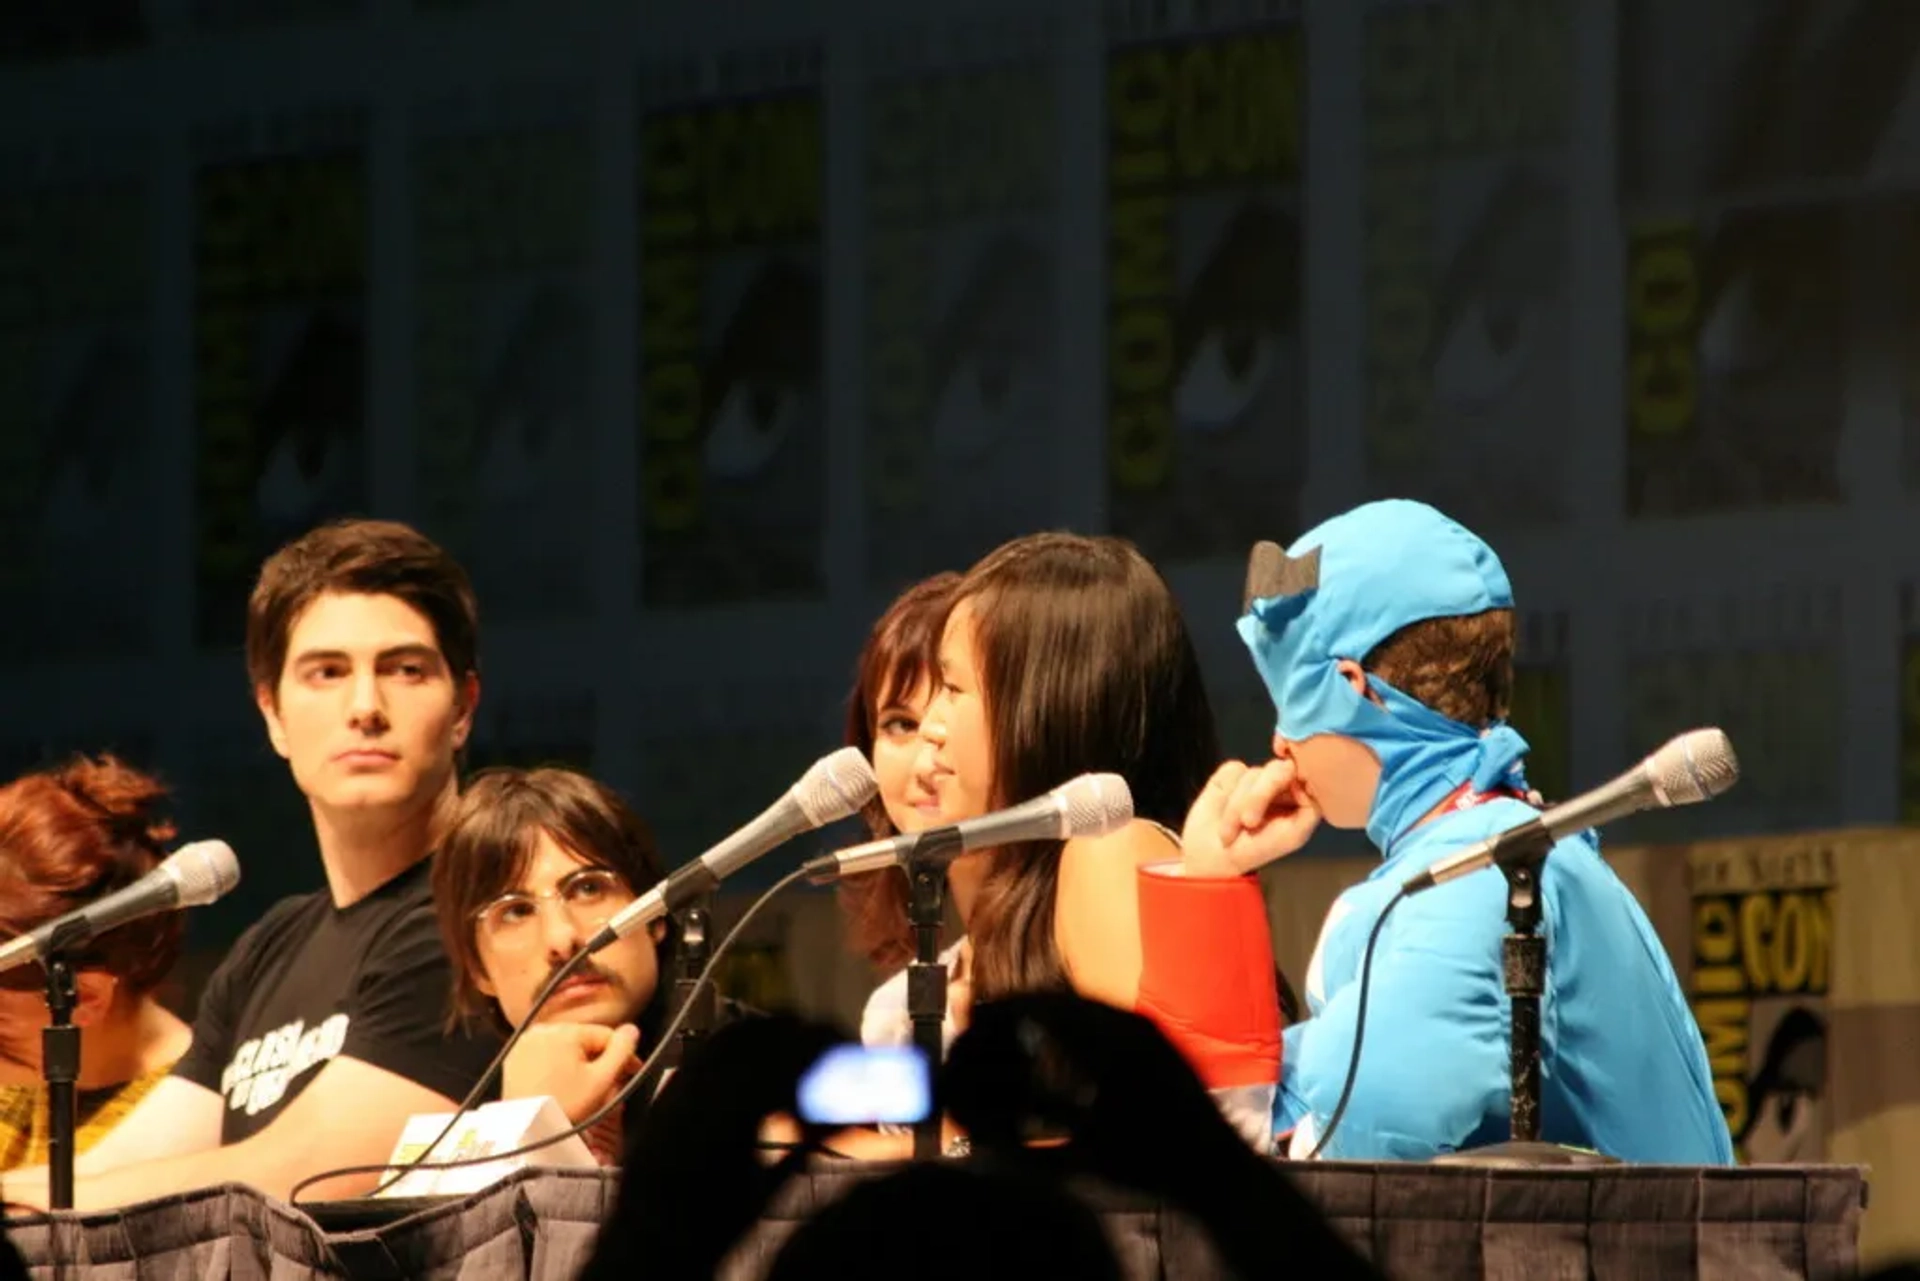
{"x": 1434, "y": 1064}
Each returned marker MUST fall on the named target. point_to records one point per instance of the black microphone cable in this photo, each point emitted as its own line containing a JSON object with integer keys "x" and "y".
{"x": 648, "y": 1070}
{"x": 1359, "y": 1027}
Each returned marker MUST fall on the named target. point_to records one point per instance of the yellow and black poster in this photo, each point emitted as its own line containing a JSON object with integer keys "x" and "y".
{"x": 76, "y": 422}
{"x": 1746, "y": 133}
{"x": 1466, "y": 255}
{"x": 732, "y": 435}
{"x": 279, "y": 255}
{"x": 1726, "y": 101}
{"x": 1542, "y": 702}
{"x": 1762, "y": 965}
{"x": 1206, "y": 444}
{"x": 1766, "y": 669}
{"x": 1736, "y": 332}
{"x": 503, "y": 220}
{"x": 961, "y": 369}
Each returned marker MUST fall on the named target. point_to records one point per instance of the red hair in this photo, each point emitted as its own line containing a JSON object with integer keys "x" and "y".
{"x": 73, "y": 833}
{"x": 899, "y": 654}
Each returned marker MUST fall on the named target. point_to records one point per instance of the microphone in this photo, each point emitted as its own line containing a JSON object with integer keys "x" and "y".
{"x": 833, "y": 787}
{"x": 1693, "y": 767}
{"x": 1089, "y": 805}
{"x": 192, "y": 876}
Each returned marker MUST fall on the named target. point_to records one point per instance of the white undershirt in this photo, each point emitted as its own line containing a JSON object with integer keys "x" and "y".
{"x": 885, "y": 1020}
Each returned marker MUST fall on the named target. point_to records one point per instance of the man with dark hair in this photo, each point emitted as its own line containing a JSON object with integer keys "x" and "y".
{"x": 529, "y": 865}
{"x": 1385, "y": 637}
{"x": 324, "y": 1028}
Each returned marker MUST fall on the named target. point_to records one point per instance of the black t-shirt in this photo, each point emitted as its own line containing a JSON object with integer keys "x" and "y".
{"x": 310, "y": 981}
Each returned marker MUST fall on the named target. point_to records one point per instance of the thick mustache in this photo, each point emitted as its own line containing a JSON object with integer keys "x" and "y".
{"x": 587, "y": 970}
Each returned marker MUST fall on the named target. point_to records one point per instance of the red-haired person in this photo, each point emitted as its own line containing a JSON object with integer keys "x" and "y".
{"x": 68, "y": 836}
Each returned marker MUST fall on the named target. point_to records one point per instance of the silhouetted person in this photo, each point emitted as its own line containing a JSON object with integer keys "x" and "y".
{"x": 939, "y": 1220}
{"x": 1121, "y": 1104}
{"x": 697, "y": 1178}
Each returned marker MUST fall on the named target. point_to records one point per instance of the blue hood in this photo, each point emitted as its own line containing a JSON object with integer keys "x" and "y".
{"x": 1345, "y": 586}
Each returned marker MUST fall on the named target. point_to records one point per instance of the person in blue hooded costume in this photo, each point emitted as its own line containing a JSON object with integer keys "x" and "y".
{"x": 1385, "y": 636}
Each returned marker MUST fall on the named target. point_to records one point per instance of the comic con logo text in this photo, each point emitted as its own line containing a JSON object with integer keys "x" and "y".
{"x": 1442, "y": 80}
{"x": 945, "y": 150}
{"x": 265, "y": 232}
{"x": 1764, "y": 943}
{"x": 1664, "y": 295}
{"x": 713, "y": 178}
{"x": 1181, "y": 117}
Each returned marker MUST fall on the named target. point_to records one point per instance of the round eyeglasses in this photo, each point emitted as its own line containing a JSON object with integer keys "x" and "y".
{"x": 588, "y": 896}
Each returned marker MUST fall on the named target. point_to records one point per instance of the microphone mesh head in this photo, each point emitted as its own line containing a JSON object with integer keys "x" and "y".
{"x": 204, "y": 871}
{"x": 1094, "y": 804}
{"x": 1693, "y": 767}
{"x": 835, "y": 786}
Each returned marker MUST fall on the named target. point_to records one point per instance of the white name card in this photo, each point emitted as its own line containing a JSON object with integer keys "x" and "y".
{"x": 496, "y": 1127}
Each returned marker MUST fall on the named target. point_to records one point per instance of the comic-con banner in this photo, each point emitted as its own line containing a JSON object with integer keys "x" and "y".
{"x": 961, "y": 369}
{"x": 1466, "y": 358}
{"x": 1206, "y": 445}
{"x": 732, "y": 437}
{"x": 280, "y": 244}
{"x": 1542, "y": 707}
{"x": 76, "y": 420}
{"x": 503, "y": 211}
{"x": 1766, "y": 668}
{"x": 1727, "y": 101}
{"x": 1736, "y": 360}
{"x": 1745, "y": 133}
{"x": 1762, "y": 964}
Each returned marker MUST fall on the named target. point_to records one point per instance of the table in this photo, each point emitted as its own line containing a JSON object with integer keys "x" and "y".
{"x": 1414, "y": 1221}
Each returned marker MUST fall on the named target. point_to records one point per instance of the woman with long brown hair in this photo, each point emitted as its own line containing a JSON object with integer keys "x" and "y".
{"x": 893, "y": 682}
{"x": 1063, "y": 655}
{"x": 68, "y": 836}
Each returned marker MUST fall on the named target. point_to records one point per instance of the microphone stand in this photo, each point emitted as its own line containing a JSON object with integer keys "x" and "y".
{"x": 926, "y": 868}
{"x": 696, "y": 946}
{"x": 1523, "y": 954}
{"x": 60, "y": 1067}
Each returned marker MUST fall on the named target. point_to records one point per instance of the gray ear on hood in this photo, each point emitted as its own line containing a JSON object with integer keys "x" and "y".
{"x": 1271, "y": 572}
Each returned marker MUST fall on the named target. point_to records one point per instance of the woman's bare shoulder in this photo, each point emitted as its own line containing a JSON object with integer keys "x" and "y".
{"x": 1140, "y": 841}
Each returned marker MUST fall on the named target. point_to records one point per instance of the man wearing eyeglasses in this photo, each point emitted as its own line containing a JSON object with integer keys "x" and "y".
{"x": 529, "y": 865}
